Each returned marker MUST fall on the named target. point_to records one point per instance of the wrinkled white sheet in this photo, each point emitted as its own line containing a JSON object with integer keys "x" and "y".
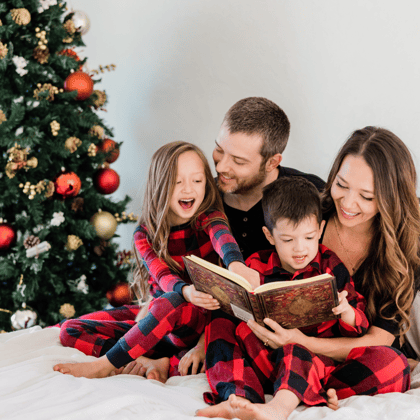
{"x": 31, "y": 390}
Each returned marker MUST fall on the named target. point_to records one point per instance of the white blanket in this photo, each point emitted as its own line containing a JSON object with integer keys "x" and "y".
{"x": 31, "y": 390}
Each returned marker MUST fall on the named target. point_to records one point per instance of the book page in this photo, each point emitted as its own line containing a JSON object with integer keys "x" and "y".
{"x": 279, "y": 284}
{"x": 236, "y": 278}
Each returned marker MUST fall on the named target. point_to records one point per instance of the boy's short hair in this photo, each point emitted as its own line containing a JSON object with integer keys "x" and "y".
{"x": 294, "y": 198}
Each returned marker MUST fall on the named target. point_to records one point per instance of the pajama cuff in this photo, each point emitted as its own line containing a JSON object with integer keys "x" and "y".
{"x": 119, "y": 356}
{"x": 178, "y": 287}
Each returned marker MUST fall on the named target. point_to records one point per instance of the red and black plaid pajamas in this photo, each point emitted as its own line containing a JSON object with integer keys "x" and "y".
{"x": 238, "y": 363}
{"x": 171, "y": 324}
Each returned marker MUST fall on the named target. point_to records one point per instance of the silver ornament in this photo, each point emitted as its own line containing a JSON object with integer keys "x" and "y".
{"x": 23, "y": 319}
{"x": 81, "y": 21}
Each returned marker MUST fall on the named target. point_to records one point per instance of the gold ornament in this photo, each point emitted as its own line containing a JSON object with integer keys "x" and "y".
{"x": 21, "y": 16}
{"x": 55, "y": 126}
{"x": 50, "y": 189}
{"x": 97, "y": 131}
{"x": 81, "y": 22}
{"x": 52, "y": 90}
{"x": 69, "y": 27}
{"x": 3, "y": 50}
{"x": 92, "y": 150}
{"x": 67, "y": 310}
{"x": 3, "y": 117}
{"x": 18, "y": 159}
{"x": 1, "y": 23}
{"x": 73, "y": 242}
{"x": 32, "y": 190}
{"x": 102, "y": 68}
{"x": 125, "y": 216}
{"x": 104, "y": 223}
{"x": 41, "y": 54}
{"x": 100, "y": 98}
{"x": 72, "y": 143}
{"x": 68, "y": 40}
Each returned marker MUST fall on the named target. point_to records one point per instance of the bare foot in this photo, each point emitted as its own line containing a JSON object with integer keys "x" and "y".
{"x": 155, "y": 369}
{"x": 133, "y": 368}
{"x": 100, "y": 368}
{"x": 412, "y": 363}
{"x": 223, "y": 410}
{"x": 246, "y": 410}
{"x": 332, "y": 401}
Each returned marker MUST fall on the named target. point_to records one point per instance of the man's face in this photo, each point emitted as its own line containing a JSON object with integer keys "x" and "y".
{"x": 238, "y": 162}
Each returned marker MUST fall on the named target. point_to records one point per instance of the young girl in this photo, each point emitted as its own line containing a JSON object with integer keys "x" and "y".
{"x": 182, "y": 215}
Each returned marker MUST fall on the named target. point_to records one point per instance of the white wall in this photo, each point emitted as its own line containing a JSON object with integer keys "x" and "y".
{"x": 333, "y": 66}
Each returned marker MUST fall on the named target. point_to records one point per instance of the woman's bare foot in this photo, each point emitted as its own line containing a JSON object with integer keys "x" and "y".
{"x": 100, "y": 368}
{"x": 332, "y": 400}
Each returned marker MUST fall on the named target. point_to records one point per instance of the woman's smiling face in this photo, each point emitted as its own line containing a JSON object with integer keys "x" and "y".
{"x": 353, "y": 192}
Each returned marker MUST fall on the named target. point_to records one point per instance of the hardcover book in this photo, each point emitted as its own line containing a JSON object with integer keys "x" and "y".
{"x": 292, "y": 304}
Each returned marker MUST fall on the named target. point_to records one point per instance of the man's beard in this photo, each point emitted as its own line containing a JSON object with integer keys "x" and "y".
{"x": 244, "y": 186}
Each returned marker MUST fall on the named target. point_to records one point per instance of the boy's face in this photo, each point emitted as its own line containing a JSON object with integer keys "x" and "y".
{"x": 296, "y": 245}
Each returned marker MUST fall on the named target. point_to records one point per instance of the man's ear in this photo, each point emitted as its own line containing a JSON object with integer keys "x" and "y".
{"x": 268, "y": 235}
{"x": 273, "y": 162}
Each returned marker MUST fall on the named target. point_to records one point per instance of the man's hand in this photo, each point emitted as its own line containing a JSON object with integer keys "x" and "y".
{"x": 200, "y": 299}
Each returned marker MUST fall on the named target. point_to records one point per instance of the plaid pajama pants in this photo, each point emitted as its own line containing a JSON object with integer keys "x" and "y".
{"x": 171, "y": 325}
{"x": 238, "y": 363}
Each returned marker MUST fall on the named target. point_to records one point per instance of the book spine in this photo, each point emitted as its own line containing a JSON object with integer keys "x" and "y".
{"x": 257, "y": 309}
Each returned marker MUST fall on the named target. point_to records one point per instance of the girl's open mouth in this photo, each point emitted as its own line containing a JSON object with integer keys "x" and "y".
{"x": 186, "y": 204}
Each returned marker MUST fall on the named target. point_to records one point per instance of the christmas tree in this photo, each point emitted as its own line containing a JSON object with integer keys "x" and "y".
{"x": 57, "y": 259}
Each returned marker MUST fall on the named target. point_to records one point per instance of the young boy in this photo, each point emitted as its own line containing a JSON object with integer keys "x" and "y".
{"x": 240, "y": 367}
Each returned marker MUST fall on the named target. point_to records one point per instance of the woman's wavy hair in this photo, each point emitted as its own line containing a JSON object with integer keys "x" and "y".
{"x": 155, "y": 210}
{"x": 388, "y": 274}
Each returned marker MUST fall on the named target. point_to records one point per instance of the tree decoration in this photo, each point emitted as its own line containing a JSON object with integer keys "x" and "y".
{"x": 105, "y": 224}
{"x": 38, "y": 249}
{"x": 81, "y": 82}
{"x": 46, "y": 87}
{"x": 3, "y": 50}
{"x": 68, "y": 184}
{"x": 100, "y": 249}
{"x": 67, "y": 310}
{"x": 31, "y": 241}
{"x": 21, "y": 16}
{"x": 32, "y": 190}
{"x": 97, "y": 131}
{"x": 42, "y": 43}
{"x": 69, "y": 27}
{"x": 100, "y": 98}
{"x": 7, "y": 236}
{"x": 22, "y": 319}
{"x": 92, "y": 150}
{"x": 106, "y": 181}
{"x": 119, "y": 295}
{"x": 41, "y": 55}
{"x": 80, "y": 285}
{"x": 81, "y": 22}
{"x": 2, "y": 117}
{"x": 55, "y": 127}
{"x": 102, "y": 68}
{"x": 45, "y": 5}
{"x": 58, "y": 218}
{"x": 73, "y": 243}
{"x": 72, "y": 143}
{"x": 70, "y": 53}
{"x": 77, "y": 204}
{"x": 124, "y": 216}
{"x": 124, "y": 258}
{"x": 20, "y": 64}
{"x": 18, "y": 159}
{"x": 110, "y": 148}
{"x": 50, "y": 189}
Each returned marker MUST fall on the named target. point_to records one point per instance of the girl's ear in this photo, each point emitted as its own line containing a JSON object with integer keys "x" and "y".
{"x": 268, "y": 235}
{"x": 273, "y": 162}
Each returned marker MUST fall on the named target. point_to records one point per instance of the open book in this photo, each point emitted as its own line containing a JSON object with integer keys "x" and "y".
{"x": 292, "y": 304}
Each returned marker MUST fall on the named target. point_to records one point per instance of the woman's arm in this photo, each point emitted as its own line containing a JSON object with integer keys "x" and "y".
{"x": 337, "y": 348}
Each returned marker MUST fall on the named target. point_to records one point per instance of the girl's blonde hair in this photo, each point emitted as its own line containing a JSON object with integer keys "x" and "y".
{"x": 388, "y": 274}
{"x": 154, "y": 216}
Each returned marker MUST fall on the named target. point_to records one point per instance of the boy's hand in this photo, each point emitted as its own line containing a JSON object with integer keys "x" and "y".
{"x": 199, "y": 299}
{"x": 194, "y": 357}
{"x": 347, "y": 312}
{"x": 249, "y": 274}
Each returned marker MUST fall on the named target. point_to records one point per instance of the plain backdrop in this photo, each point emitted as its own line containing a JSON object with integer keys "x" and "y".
{"x": 332, "y": 65}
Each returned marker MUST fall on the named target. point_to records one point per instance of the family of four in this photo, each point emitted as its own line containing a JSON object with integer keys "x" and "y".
{"x": 267, "y": 223}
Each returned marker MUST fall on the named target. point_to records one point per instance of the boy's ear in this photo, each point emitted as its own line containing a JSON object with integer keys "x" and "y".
{"x": 321, "y": 228}
{"x": 268, "y": 235}
{"x": 273, "y": 162}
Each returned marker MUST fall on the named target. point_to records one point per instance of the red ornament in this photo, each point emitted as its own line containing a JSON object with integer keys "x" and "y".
{"x": 7, "y": 236}
{"x": 68, "y": 184}
{"x": 119, "y": 295}
{"x": 70, "y": 53}
{"x": 81, "y": 82}
{"x": 106, "y": 180}
{"x": 110, "y": 148}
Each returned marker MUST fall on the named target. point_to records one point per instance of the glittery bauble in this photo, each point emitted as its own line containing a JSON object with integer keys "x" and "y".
{"x": 7, "y": 236}
{"x": 67, "y": 310}
{"x": 110, "y": 148}
{"x": 21, "y": 16}
{"x": 23, "y": 319}
{"x": 106, "y": 181}
{"x": 68, "y": 184}
{"x": 119, "y": 295}
{"x": 105, "y": 224}
{"x": 81, "y": 82}
{"x": 81, "y": 21}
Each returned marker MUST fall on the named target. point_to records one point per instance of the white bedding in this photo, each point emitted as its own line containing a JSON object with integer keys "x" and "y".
{"x": 31, "y": 390}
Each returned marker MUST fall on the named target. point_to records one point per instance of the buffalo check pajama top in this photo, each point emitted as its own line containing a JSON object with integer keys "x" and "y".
{"x": 237, "y": 362}
{"x": 172, "y": 324}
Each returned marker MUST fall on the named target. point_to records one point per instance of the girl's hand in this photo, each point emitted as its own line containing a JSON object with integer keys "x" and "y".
{"x": 194, "y": 357}
{"x": 347, "y": 312}
{"x": 200, "y": 299}
{"x": 249, "y": 274}
{"x": 279, "y": 338}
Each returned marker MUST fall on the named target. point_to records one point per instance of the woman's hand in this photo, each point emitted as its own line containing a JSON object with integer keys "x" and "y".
{"x": 193, "y": 358}
{"x": 279, "y": 338}
{"x": 247, "y": 273}
{"x": 199, "y": 299}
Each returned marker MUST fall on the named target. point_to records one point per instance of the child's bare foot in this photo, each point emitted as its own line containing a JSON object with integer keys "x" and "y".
{"x": 99, "y": 368}
{"x": 223, "y": 410}
{"x": 246, "y": 410}
{"x": 332, "y": 401}
{"x": 156, "y": 369}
